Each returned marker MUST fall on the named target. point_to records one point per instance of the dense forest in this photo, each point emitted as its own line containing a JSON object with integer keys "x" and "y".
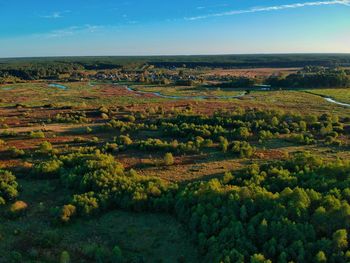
{"x": 313, "y": 77}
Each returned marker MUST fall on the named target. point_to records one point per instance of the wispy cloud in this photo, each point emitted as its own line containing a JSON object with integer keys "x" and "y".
{"x": 55, "y": 15}
{"x": 271, "y": 8}
{"x": 71, "y": 31}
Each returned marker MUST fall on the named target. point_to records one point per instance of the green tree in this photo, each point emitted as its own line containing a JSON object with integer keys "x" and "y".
{"x": 340, "y": 239}
{"x": 320, "y": 257}
{"x": 259, "y": 258}
{"x": 168, "y": 159}
{"x": 65, "y": 257}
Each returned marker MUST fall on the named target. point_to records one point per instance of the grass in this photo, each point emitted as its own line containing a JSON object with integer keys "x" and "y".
{"x": 77, "y": 94}
{"x": 296, "y": 101}
{"x": 188, "y": 91}
{"x": 341, "y": 95}
{"x": 82, "y": 95}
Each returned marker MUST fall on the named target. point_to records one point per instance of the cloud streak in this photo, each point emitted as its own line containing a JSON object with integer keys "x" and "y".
{"x": 79, "y": 30}
{"x": 71, "y": 31}
{"x": 56, "y": 15}
{"x": 271, "y": 8}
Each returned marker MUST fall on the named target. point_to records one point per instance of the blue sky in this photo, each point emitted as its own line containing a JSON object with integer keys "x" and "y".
{"x": 161, "y": 27}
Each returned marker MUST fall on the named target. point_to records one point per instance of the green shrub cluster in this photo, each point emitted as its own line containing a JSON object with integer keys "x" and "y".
{"x": 8, "y": 187}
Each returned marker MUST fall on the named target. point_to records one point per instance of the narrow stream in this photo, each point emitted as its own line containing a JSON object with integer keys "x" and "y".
{"x": 161, "y": 95}
{"x": 336, "y": 102}
{"x": 58, "y": 86}
{"x": 158, "y": 94}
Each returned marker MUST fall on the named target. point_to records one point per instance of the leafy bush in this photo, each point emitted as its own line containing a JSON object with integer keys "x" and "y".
{"x": 168, "y": 159}
{"x": 18, "y": 208}
{"x": 8, "y": 186}
{"x": 243, "y": 149}
{"x": 15, "y": 152}
{"x": 47, "y": 169}
{"x": 67, "y": 212}
{"x": 37, "y": 134}
{"x": 46, "y": 147}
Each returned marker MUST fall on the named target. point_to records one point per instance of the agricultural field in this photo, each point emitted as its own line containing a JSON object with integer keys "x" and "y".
{"x": 171, "y": 165}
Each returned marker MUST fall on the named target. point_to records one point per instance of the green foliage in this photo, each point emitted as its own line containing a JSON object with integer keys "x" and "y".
{"x": 18, "y": 207}
{"x": 243, "y": 149}
{"x": 340, "y": 239}
{"x": 46, "y": 148}
{"x": 117, "y": 255}
{"x": 8, "y": 186}
{"x": 168, "y": 159}
{"x": 102, "y": 183}
{"x": 71, "y": 117}
{"x": 320, "y": 257}
{"x": 37, "y": 135}
{"x": 67, "y": 212}
{"x": 47, "y": 169}
{"x": 65, "y": 258}
{"x": 124, "y": 140}
{"x": 259, "y": 258}
{"x": 320, "y": 77}
{"x": 263, "y": 214}
{"x": 16, "y": 153}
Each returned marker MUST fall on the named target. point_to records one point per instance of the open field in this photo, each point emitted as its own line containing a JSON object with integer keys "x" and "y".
{"x": 188, "y": 91}
{"x": 252, "y": 72}
{"x": 342, "y": 95}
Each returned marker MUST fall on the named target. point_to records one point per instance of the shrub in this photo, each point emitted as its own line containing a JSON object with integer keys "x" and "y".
{"x": 125, "y": 140}
{"x": 223, "y": 144}
{"x": 18, "y": 208}
{"x": 94, "y": 139}
{"x": 8, "y": 133}
{"x": 45, "y": 147}
{"x": 87, "y": 203}
{"x": 117, "y": 255}
{"x": 15, "y": 153}
{"x": 244, "y": 149}
{"x": 47, "y": 169}
{"x": 8, "y": 186}
{"x": 37, "y": 135}
{"x": 67, "y": 212}
{"x": 103, "y": 109}
{"x": 65, "y": 258}
{"x": 104, "y": 116}
{"x": 168, "y": 159}
{"x": 320, "y": 257}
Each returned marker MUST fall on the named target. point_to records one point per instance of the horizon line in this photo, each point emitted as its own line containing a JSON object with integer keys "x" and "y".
{"x": 179, "y": 55}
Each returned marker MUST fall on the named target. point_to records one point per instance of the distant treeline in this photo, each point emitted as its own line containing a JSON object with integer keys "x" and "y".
{"x": 226, "y": 61}
{"x": 321, "y": 78}
{"x": 37, "y": 71}
{"x": 319, "y": 70}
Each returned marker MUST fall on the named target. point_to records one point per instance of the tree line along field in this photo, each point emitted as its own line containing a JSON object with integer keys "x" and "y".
{"x": 97, "y": 172}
